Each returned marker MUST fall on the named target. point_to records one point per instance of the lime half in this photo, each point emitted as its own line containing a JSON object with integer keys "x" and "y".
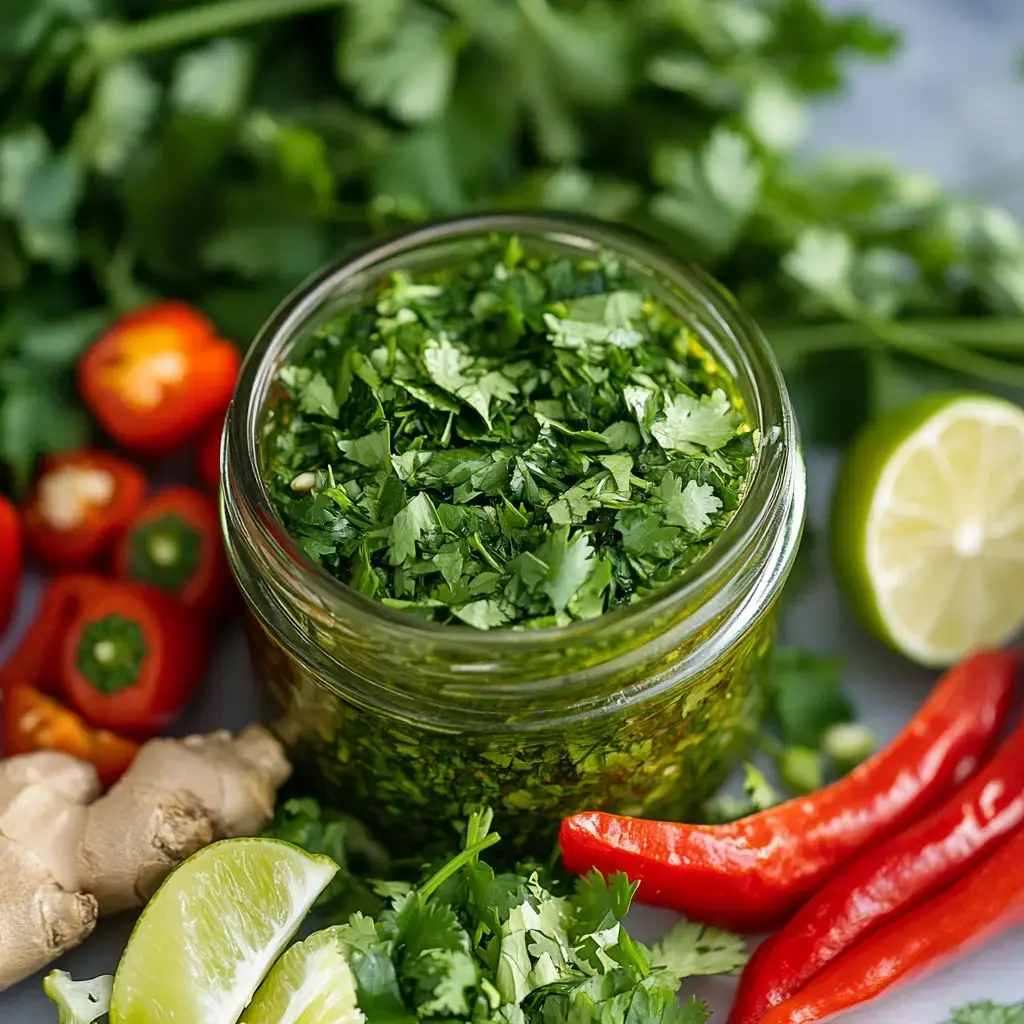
{"x": 928, "y": 526}
{"x": 312, "y": 983}
{"x": 212, "y": 930}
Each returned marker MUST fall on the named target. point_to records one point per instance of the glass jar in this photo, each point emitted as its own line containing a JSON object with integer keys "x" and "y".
{"x": 409, "y": 724}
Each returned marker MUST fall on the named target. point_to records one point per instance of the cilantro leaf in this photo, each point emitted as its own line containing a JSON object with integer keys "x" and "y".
{"x": 806, "y": 697}
{"x": 410, "y": 524}
{"x": 569, "y": 561}
{"x": 709, "y": 421}
{"x": 690, "y": 507}
{"x": 688, "y": 949}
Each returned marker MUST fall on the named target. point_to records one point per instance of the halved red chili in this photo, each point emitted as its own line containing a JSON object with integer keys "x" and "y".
{"x": 132, "y": 658}
{"x": 36, "y": 659}
{"x": 10, "y": 560}
{"x": 79, "y": 506}
{"x": 158, "y": 376}
{"x": 33, "y": 721}
{"x": 174, "y": 543}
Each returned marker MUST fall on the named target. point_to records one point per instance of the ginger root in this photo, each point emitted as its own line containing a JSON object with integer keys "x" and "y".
{"x": 66, "y": 856}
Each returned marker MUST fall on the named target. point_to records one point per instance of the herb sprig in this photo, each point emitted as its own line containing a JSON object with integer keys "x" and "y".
{"x": 516, "y": 441}
{"x": 470, "y": 944}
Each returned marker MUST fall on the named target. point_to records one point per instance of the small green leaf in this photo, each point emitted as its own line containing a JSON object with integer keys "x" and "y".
{"x": 709, "y": 421}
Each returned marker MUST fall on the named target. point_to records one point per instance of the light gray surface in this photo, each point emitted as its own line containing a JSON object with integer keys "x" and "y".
{"x": 950, "y": 107}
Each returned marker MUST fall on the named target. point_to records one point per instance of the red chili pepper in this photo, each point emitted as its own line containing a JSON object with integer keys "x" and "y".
{"x": 33, "y": 721}
{"x": 36, "y": 660}
{"x": 208, "y": 458}
{"x": 79, "y": 506}
{"x": 132, "y": 658}
{"x": 10, "y": 561}
{"x": 750, "y": 875}
{"x": 977, "y": 909}
{"x": 174, "y": 543}
{"x": 158, "y": 376}
{"x": 878, "y": 886}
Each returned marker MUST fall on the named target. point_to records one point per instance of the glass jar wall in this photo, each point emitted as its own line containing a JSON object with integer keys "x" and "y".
{"x": 408, "y": 723}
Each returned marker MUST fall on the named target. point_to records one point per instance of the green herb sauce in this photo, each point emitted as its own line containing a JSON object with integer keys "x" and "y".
{"x": 519, "y": 442}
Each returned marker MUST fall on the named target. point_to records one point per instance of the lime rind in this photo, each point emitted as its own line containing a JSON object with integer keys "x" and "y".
{"x": 211, "y": 932}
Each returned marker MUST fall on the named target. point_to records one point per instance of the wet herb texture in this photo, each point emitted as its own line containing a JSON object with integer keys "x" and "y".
{"x": 519, "y": 440}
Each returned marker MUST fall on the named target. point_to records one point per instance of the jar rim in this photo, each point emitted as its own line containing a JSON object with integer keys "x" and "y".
{"x": 765, "y": 486}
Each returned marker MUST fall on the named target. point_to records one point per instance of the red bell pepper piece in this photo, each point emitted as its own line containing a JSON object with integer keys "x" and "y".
{"x": 208, "y": 457}
{"x": 132, "y": 658}
{"x": 78, "y": 507}
{"x": 977, "y": 909}
{"x": 36, "y": 660}
{"x": 158, "y": 376}
{"x": 33, "y": 721}
{"x": 174, "y": 543}
{"x": 750, "y": 875}
{"x": 879, "y": 885}
{"x": 10, "y": 561}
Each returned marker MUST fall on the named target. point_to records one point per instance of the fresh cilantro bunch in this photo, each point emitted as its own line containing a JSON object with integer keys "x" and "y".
{"x": 219, "y": 151}
{"x": 515, "y": 441}
{"x": 467, "y": 944}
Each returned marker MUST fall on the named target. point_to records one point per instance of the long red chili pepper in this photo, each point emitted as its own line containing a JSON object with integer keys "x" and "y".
{"x": 751, "y": 874}
{"x": 978, "y": 908}
{"x": 879, "y": 885}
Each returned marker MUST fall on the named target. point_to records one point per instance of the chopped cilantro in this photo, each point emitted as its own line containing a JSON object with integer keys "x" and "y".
{"x": 514, "y": 441}
{"x": 470, "y": 944}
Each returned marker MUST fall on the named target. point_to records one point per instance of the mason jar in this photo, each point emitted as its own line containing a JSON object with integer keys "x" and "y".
{"x": 410, "y": 724}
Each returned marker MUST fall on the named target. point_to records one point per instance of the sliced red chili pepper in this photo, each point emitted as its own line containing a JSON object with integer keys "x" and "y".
{"x": 208, "y": 458}
{"x": 79, "y": 506}
{"x": 132, "y": 658}
{"x": 174, "y": 543}
{"x": 879, "y": 885}
{"x": 158, "y": 376}
{"x": 977, "y": 909}
{"x": 33, "y": 721}
{"x": 10, "y": 561}
{"x": 751, "y": 874}
{"x": 36, "y": 659}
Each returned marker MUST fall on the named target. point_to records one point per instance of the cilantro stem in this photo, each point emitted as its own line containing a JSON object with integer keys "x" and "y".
{"x": 487, "y": 556}
{"x": 456, "y": 864}
{"x": 113, "y": 40}
{"x": 952, "y": 344}
{"x": 995, "y": 334}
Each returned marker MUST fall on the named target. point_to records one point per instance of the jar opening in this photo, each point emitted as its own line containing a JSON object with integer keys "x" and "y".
{"x": 707, "y": 308}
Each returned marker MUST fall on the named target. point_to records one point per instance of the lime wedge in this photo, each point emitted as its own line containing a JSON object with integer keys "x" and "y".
{"x": 212, "y": 930}
{"x": 312, "y": 983}
{"x": 928, "y": 526}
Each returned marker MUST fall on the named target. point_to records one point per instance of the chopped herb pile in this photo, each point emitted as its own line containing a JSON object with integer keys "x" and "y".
{"x": 467, "y": 944}
{"x": 516, "y": 441}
